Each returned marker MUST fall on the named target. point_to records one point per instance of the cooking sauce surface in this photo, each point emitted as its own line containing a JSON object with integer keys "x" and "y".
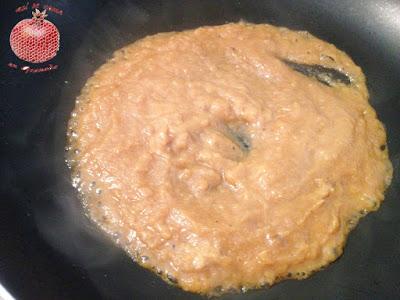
{"x": 215, "y": 158}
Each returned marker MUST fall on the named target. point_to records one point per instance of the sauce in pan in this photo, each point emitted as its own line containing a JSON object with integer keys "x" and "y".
{"x": 228, "y": 157}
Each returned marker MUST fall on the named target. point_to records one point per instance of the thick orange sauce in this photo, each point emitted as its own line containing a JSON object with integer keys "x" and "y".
{"x": 210, "y": 160}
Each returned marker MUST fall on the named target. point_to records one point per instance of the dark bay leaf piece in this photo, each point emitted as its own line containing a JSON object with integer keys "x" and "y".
{"x": 327, "y": 76}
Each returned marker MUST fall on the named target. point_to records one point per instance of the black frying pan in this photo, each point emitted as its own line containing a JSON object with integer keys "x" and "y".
{"x": 48, "y": 250}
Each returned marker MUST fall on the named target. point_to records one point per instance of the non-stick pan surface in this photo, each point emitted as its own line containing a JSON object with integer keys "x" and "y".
{"x": 48, "y": 250}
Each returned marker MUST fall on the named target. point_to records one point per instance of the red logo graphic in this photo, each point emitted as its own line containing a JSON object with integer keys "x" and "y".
{"x": 35, "y": 40}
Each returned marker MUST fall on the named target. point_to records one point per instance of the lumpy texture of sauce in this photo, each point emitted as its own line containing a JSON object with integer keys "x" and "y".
{"x": 212, "y": 161}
